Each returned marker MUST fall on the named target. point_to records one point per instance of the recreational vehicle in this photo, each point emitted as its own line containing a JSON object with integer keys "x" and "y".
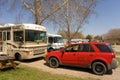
{"x": 23, "y": 41}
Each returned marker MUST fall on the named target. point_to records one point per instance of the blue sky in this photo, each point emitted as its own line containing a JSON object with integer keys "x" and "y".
{"x": 106, "y": 18}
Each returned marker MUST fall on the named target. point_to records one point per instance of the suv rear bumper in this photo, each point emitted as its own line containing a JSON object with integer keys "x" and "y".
{"x": 114, "y": 64}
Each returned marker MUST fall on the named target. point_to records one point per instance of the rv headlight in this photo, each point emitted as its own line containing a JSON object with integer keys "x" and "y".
{"x": 54, "y": 46}
{"x": 28, "y": 52}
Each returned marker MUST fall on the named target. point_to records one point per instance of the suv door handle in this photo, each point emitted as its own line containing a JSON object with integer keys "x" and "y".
{"x": 90, "y": 54}
{"x": 74, "y": 54}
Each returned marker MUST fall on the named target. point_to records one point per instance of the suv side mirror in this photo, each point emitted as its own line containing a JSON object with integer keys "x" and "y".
{"x": 63, "y": 51}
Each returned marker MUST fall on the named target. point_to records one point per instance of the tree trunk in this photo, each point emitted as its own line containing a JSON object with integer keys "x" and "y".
{"x": 37, "y": 11}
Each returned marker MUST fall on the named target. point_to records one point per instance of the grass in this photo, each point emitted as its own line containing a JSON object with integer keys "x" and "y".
{"x": 117, "y": 53}
{"x": 28, "y": 73}
{"x": 118, "y": 59}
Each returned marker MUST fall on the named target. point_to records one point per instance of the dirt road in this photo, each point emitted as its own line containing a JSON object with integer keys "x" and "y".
{"x": 72, "y": 71}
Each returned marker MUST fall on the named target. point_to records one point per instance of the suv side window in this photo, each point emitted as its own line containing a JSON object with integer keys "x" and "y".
{"x": 73, "y": 48}
{"x": 104, "y": 48}
{"x": 86, "y": 48}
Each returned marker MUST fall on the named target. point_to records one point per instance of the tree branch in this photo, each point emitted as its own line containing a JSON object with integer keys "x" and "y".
{"x": 55, "y": 10}
{"x": 28, "y": 6}
{"x": 86, "y": 13}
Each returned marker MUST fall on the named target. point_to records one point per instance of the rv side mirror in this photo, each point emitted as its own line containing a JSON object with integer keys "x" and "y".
{"x": 21, "y": 38}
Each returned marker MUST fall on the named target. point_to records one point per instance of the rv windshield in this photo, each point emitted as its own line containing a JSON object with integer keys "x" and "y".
{"x": 58, "y": 40}
{"x": 35, "y": 36}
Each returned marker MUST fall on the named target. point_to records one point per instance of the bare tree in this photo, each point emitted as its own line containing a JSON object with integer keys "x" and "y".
{"x": 72, "y": 17}
{"x": 113, "y": 36}
{"x": 98, "y": 38}
{"x": 40, "y": 9}
{"x": 89, "y": 37}
{"x": 78, "y": 35}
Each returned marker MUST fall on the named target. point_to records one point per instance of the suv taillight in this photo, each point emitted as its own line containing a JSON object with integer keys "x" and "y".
{"x": 113, "y": 55}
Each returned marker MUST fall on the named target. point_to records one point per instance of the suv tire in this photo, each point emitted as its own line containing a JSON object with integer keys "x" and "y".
{"x": 53, "y": 62}
{"x": 99, "y": 68}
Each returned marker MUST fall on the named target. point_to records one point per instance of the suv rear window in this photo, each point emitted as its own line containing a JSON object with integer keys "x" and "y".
{"x": 104, "y": 48}
{"x": 86, "y": 48}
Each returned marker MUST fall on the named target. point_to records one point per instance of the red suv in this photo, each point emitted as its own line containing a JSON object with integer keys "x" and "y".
{"x": 97, "y": 56}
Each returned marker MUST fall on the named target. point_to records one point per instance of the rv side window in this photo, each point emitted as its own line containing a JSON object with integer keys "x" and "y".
{"x": 4, "y": 36}
{"x": 50, "y": 39}
{"x": 8, "y": 35}
{"x": 0, "y": 35}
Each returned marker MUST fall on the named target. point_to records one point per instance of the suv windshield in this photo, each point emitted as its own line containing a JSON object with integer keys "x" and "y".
{"x": 104, "y": 48}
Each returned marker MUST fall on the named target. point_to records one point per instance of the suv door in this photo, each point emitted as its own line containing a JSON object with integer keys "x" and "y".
{"x": 70, "y": 55}
{"x": 86, "y": 54}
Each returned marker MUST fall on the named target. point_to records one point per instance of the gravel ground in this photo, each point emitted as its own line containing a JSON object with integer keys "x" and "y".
{"x": 71, "y": 71}
{"x": 116, "y": 48}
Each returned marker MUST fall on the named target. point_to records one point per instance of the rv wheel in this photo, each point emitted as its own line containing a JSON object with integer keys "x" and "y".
{"x": 18, "y": 57}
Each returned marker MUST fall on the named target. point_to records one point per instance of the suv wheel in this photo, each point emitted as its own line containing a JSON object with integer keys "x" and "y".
{"x": 53, "y": 62}
{"x": 99, "y": 68}
{"x": 51, "y": 50}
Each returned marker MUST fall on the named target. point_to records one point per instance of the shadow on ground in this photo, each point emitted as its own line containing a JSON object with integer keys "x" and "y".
{"x": 65, "y": 66}
{"x": 88, "y": 70}
{"x": 32, "y": 60}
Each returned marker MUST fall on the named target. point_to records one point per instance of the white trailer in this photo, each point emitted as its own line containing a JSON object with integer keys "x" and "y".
{"x": 55, "y": 42}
